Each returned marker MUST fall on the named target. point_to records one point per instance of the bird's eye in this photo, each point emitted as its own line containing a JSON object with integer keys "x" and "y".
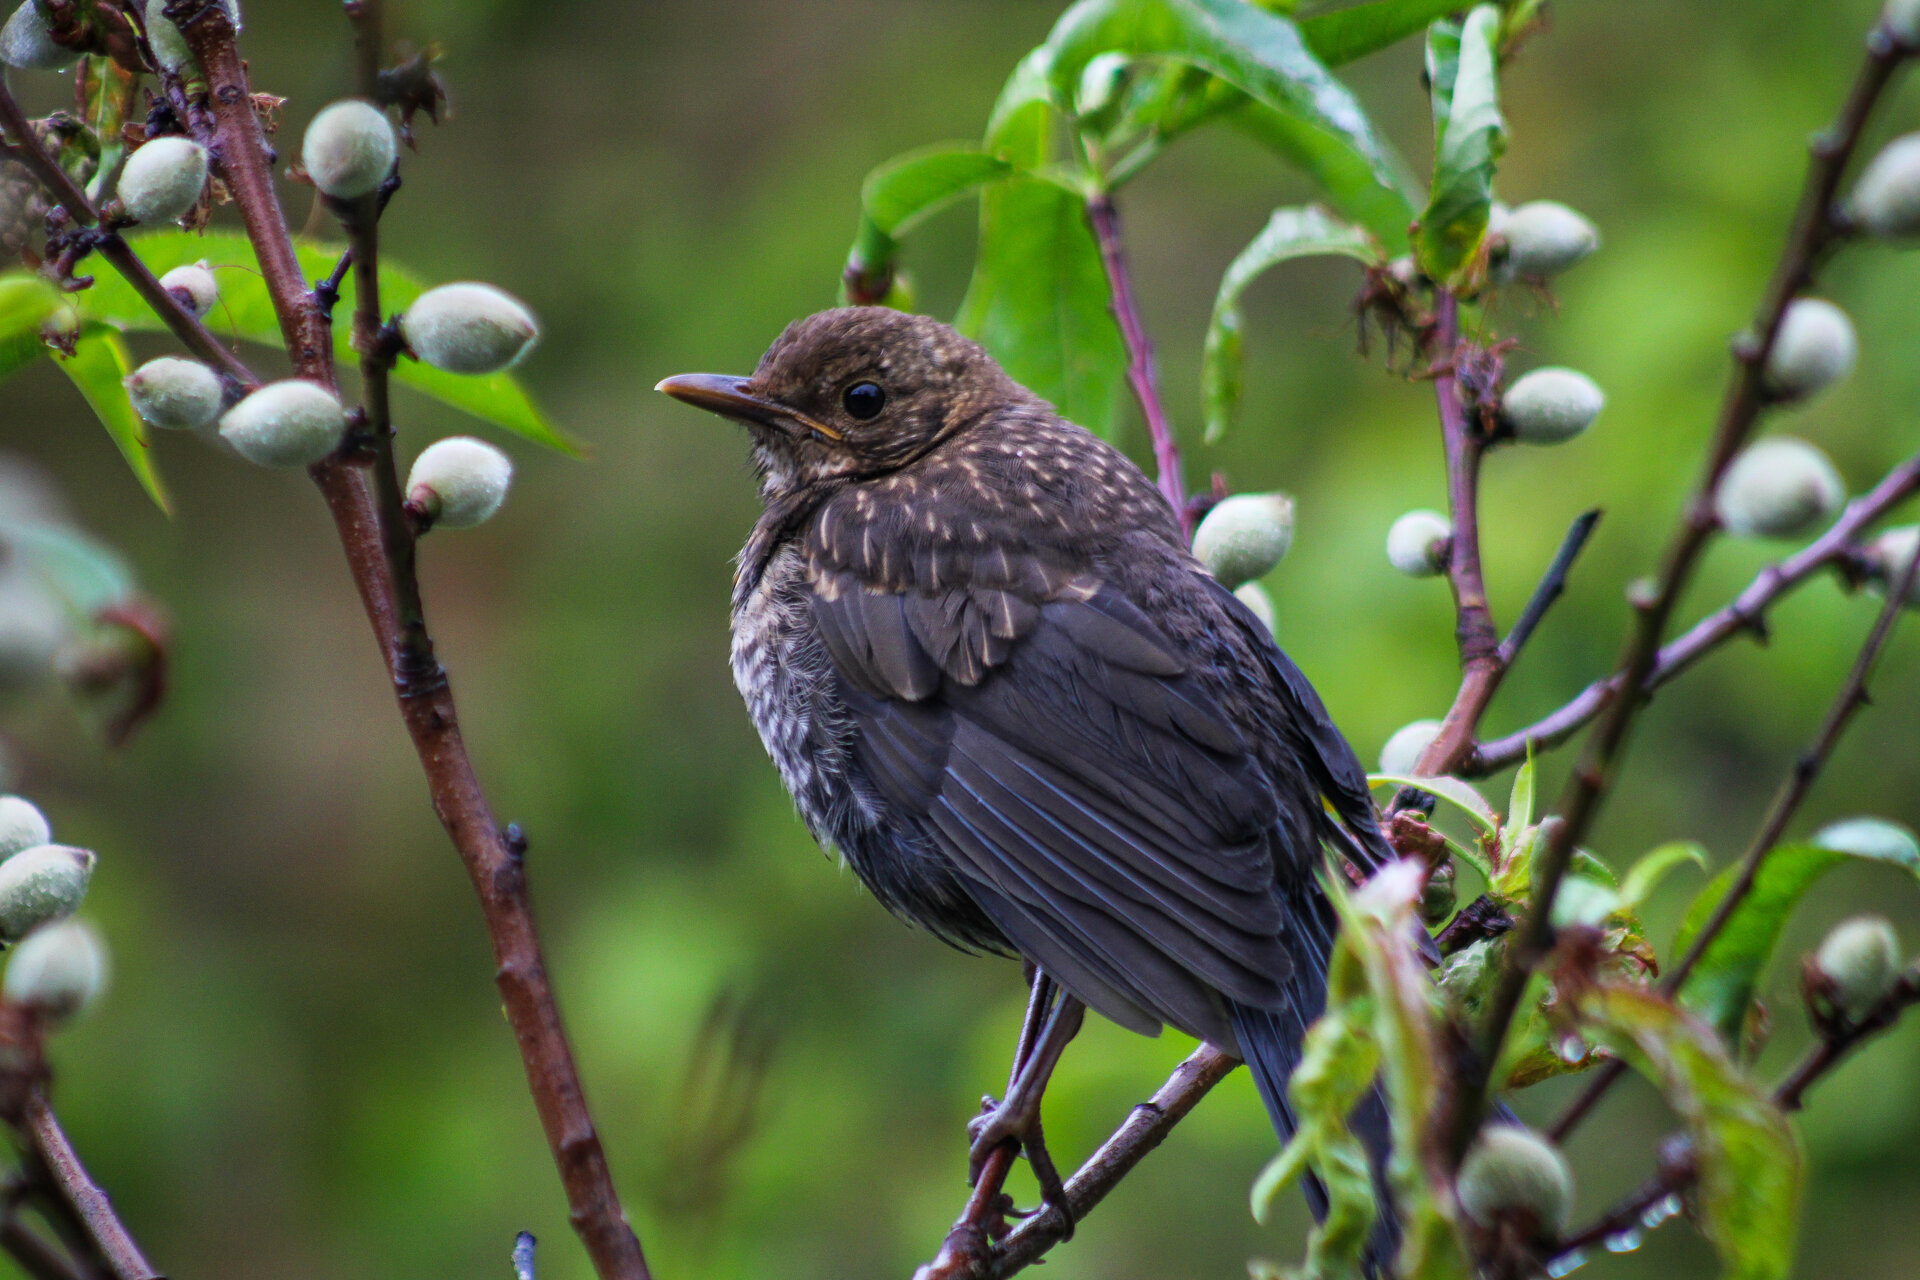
{"x": 864, "y": 400}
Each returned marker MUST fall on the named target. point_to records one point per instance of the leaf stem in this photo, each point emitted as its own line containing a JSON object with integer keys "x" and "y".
{"x": 1140, "y": 371}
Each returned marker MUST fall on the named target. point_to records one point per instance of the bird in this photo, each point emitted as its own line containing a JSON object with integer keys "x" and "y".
{"x": 995, "y": 680}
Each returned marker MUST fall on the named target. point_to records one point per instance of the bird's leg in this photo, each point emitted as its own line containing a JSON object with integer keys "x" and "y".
{"x": 1053, "y": 1019}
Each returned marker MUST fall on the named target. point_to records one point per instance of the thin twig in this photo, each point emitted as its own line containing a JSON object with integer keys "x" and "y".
{"x": 1140, "y": 372}
{"x": 1145, "y": 1128}
{"x": 195, "y": 336}
{"x": 1551, "y": 587}
{"x": 1790, "y": 1095}
{"x": 36, "y": 1255}
{"x": 1815, "y": 230}
{"x": 1745, "y": 615}
{"x": 493, "y": 862}
{"x": 1481, "y": 666}
{"x": 1786, "y": 803}
{"x": 78, "y": 1192}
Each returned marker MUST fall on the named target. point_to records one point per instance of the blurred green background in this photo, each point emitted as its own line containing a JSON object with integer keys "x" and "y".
{"x": 302, "y": 1070}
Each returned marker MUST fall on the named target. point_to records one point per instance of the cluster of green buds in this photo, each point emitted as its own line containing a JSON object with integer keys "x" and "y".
{"x": 349, "y": 150}
{"x": 58, "y": 964}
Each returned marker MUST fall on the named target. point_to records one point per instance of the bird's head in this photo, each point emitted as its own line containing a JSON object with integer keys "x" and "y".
{"x": 855, "y": 392}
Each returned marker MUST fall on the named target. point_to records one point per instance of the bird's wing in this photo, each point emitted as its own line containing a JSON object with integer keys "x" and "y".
{"x": 1100, "y": 805}
{"x": 1312, "y": 738}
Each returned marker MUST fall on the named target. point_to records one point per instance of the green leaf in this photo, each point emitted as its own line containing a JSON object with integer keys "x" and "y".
{"x": 245, "y": 313}
{"x": 1020, "y": 127}
{"x": 1722, "y": 984}
{"x": 899, "y": 194}
{"x": 1346, "y": 35}
{"x": 1748, "y": 1191}
{"x": 1289, "y": 234}
{"x": 1469, "y": 136}
{"x": 1308, "y": 114}
{"x": 1459, "y": 794}
{"x": 87, "y": 575}
{"x": 1039, "y": 301}
{"x": 1656, "y": 865}
{"x": 99, "y": 362}
{"x": 1520, "y": 803}
{"x": 25, "y": 303}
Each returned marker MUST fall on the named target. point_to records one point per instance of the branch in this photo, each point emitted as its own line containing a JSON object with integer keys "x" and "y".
{"x": 1166, "y": 452}
{"x": 1481, "y": 666}
{"x": 1746, "y": 614}
{"x": 1638, "y": 1210}
{"x": 493, "y": 861}
{"x": 1786, "y": 802}
{"x": 195, "y": 336}
{"x": 77, "y": 1193}
{"x": 1145, "y": 1128}
{"x": 1551, "y": 587}
{"x": 1815, "y": 230}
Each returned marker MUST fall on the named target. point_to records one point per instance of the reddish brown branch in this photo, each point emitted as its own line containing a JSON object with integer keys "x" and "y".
{"x": 1481, "y": 666}
{"x": 53, "y": 1153}
{"x": 195, "y": 336}
{"x": 1145, "y": 1129}
{"x": 1792, "y": 793}
{"x": 1140, "y": 372}
{"x": 1815, "y": 230}
{"x": 1745, "y": 615}
{"x": 493, "y": 864}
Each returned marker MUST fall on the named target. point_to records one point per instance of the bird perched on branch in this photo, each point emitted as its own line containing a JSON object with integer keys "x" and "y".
{"x": 994, "y": 678}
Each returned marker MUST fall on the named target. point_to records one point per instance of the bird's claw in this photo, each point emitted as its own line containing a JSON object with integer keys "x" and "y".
{"x": 1010, "y": 1122}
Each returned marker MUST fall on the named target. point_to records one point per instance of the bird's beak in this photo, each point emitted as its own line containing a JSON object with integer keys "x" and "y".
{"x": 728, "y": 396}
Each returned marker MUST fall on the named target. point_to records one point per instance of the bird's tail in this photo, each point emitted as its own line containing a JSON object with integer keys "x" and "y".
{"x": 1271, "y": 1042}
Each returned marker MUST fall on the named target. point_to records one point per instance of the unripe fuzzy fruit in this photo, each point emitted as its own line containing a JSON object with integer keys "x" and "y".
{"x": 1550, "y": 405}
{"x": 27, "y": 42}
{"x": 33, "y": 626}
{"x": 349, "y": 149}
{"x": 1258, "y": 602}
{"x": 468, "y": 328}
{"x": 194, "y": 286}
{"x": 163, "y": 179}
{"x": 1886, "y": 199}
{"x": 1868, "y": 838}
{"x": 1545, "y": 237}
{"x": 175, "y": 393}
{"x": 1814, "y": 349}
{"x": 170, "y": 48}
{"x": 59, "y": 968}
{"x": 459, "y": 482}
{"x": 1418, "y": 542}
{"x": 1858, "y": 962}
{"x": 22, "y": 826}
{"x": 1903, "y": 20}
{"x": 1404, "y": 749}
{"x": 1245, "y": 536}
{"x": 1892, "y": 552}
{"x": 292, "y": 423}
{"x": 1509, "y": 1170}
{"x": 1778, "y": 488}
{"x": 40, "y": 884}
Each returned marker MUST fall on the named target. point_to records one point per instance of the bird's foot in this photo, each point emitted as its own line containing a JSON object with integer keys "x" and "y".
{"x": 1016, "y": 1122}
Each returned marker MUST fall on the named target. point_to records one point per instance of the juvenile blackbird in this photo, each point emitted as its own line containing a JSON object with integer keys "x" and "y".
{"x": 978, "y": 650}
